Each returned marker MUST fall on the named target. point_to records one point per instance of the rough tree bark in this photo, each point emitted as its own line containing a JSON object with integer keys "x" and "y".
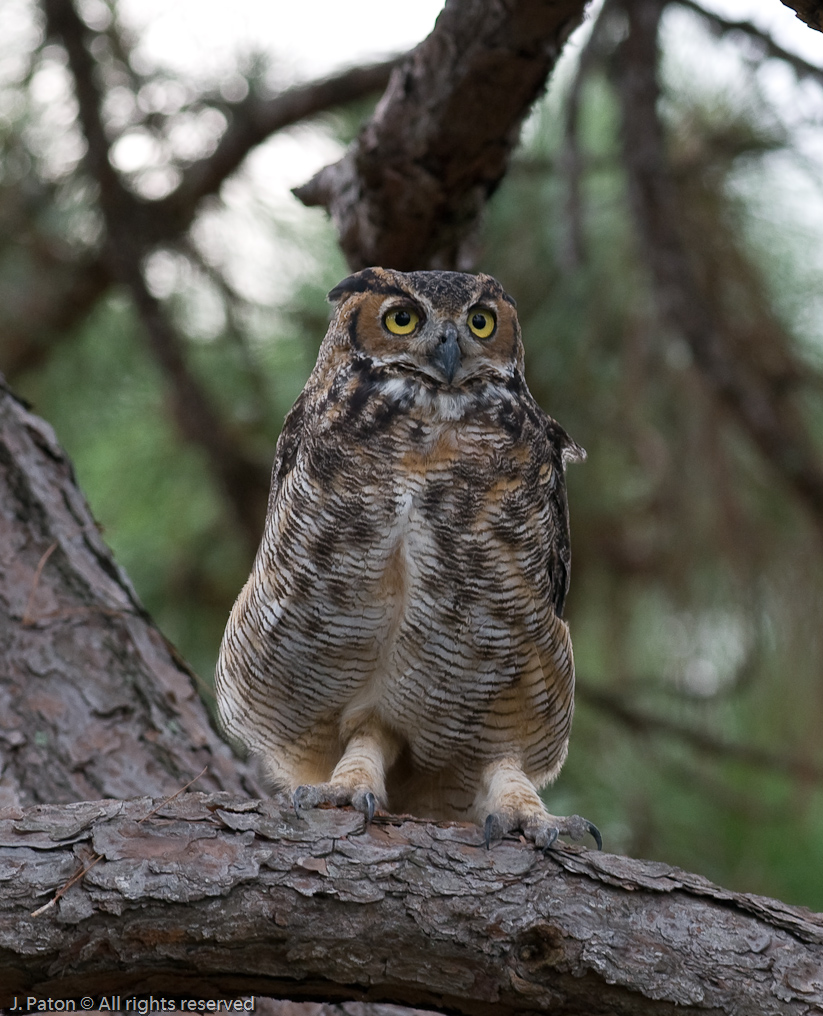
{"x": 93, "y": 701}
{"x": 810, "y": 11}
{"x": 214, "y": 895}
{"x": 408, "y": 192}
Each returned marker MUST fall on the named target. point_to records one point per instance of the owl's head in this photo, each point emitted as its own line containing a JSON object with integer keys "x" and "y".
{"x": 448, "y": 326}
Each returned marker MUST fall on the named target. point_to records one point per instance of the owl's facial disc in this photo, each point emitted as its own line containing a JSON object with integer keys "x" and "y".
{"x": 437, "y": 343}
{"x": 452, "y": 342}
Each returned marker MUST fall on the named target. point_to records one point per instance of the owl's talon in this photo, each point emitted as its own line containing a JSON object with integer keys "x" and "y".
{"x": 595, "y": 833}
{"x": 319, "y": 795}
{"x": 299, "y": 800}
{"x": 493, "y": 829}
{"x": 542, "y": 829}
{"x": 577, "y": 827}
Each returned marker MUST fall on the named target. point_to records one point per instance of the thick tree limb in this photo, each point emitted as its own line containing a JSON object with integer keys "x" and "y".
{"x": 93, "y": 701}
{"x": 410, "y": 189}
{"x": 404, "y": 911}
{"x": 760, "y": 402}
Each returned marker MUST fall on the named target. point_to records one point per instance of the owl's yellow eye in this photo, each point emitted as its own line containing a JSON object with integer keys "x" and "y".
{"x": 481, "y": 322}
{"x": 401, "y": 321}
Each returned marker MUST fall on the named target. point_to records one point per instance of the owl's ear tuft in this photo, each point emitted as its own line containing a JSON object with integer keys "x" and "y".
{"x": 360, "y": 282}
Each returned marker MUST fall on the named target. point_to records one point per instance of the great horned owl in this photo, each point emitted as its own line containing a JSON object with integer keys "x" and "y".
{"x": 400, "y": 640}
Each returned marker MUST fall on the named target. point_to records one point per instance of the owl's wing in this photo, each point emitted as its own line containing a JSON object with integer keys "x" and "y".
{"x": 288, "y": 445}
{"x": 563, "y": 451}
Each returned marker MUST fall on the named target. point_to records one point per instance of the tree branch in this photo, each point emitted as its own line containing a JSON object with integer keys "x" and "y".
{"x": 760, "y": 403}
{"x": 244, "y": 483}
{"x": 765, "y": 43}
{"x": 810, "y": 11}
{"x": 60, "y": 304}
{"x": 252, "y": 121}
{"x": 640, "y": 721}
{"x": 403, "y": 911}
{"x": 411, "y": 188}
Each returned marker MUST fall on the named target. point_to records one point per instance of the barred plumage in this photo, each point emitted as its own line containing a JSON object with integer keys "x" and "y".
{"x": 400, "y": 639}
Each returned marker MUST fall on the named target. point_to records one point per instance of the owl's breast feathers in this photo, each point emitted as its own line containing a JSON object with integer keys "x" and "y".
{"x": 484, "y": 458}
{"x": 415, "y": 561}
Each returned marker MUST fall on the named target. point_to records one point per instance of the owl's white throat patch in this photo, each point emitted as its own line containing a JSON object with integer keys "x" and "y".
{"x": 449, "y": 405}
{"x": 436, "y": 403}
{"x": 399, "y": 389}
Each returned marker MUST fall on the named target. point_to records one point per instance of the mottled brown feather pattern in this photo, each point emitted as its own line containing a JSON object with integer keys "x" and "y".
{"x": 401, "y": 632}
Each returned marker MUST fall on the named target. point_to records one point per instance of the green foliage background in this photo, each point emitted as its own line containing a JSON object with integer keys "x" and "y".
{"x": 696, "y": 592}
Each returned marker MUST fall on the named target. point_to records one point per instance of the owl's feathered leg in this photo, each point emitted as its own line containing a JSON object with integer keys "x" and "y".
{"x": 510, "y": 801}
{"x": 359, "y": 778}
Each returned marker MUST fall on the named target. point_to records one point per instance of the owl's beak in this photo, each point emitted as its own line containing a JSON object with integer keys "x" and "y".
{"x": 446, "y": 354}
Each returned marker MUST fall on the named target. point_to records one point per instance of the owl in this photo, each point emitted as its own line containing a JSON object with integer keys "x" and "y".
{"x": 400, "y": 642}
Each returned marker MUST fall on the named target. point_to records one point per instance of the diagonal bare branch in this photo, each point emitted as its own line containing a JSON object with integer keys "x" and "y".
{"x": 125, "y": 718}
{"x": 764, "y": 42}
{"x": 640, "y": 721}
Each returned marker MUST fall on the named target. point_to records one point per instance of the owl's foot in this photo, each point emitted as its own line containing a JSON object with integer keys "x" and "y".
{"x": 315, "y": 795}
{"x": 510, "y": 801}
{"x": 542, "y": 829}
{"x": 358, "y": 778}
